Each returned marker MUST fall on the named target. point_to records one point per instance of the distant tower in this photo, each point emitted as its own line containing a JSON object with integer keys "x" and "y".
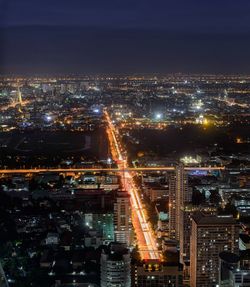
{"x": 19, "y": 95}
{"x": 53, "y": 91}
{"x": 225, "y": 94}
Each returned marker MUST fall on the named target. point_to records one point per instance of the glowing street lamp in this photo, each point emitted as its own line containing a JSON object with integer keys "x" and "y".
{"x": 48, "y": 118}
{"x": 158, "y": 116}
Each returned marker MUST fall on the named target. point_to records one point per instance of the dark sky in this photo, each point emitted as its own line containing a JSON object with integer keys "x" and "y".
{"x": 129, "y": 36}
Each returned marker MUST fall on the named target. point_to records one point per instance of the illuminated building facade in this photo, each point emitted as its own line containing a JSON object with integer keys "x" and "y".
{"x": 122, "y": 218}
{"x": 115, "y": 266}
{"x": 210, "y": 235}
{"x": 153, "y": 273}
{"x": 178, "y": 195}
{"x": 19, "y": 96}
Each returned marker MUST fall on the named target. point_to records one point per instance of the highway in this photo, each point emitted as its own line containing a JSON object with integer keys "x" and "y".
{"x": 146, "y": 240}
{"x": 14, "y": 105}
{"x": 120, "y": 168}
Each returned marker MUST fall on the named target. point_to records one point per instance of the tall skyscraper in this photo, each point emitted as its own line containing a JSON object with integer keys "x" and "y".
{"x": 19, "y": 95}
{"x": 185, "y": 231}
{"x": 122, "y": 218}
{"x": 178, "y": 195}
{"x": 115, "y": 266}
{"x": 210, "y": 235}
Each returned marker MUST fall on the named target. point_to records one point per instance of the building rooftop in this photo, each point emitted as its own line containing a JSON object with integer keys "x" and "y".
{"x": 115, "y": 251}
{"x": 245, "y": 238}
{"x": 122, "y": 193}
{"x": 229, "y": 257}
{"x": 206, "y": 219}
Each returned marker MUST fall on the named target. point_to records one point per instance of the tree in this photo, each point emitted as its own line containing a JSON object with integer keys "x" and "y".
{"x": 197, "y": 197}
{"x": 215, "y": 197}
{"x": 33, "y": 184}
{"x": 229, "y": 209}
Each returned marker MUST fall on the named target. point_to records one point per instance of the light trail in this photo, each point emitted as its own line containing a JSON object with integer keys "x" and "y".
{"x": 14, "y": 105}
{"x": 230, "y": 102}
{"x": 145, "y": 236}
{"x": 119, "y": 169}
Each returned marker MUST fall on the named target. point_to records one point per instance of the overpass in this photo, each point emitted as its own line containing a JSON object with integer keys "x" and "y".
{"x": 119, "y": 169}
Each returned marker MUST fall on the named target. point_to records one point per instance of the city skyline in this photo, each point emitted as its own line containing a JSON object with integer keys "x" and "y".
{"x": 124, "y": 143}
{"x": 131, "y": 181}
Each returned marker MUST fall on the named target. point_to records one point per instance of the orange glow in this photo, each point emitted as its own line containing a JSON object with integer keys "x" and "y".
{"x": 144, "y": 233}
{"x": 238, "y": 140}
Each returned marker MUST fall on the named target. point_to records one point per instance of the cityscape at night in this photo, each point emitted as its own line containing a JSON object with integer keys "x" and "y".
{"x": 124, "y": 144}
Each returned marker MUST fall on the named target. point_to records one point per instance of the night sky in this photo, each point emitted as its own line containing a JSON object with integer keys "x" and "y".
{"x": 114, "y": 36}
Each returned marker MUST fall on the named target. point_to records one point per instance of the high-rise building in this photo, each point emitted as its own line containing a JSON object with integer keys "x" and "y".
{"x": 185, "y": 232}
{"x": 232, "y": 273}
{"x": 3, "y": 279}
{"x": 185, "y": 229}
{"x": 19, "y": 95}
{"x": 228, "y": 262}
{"x": 239, "y": 278}
{"x": 178, "y": 195}
{"x": 210, "y": 235}
{"x": 115, "y": 266}
{"x": 122, "y": 218}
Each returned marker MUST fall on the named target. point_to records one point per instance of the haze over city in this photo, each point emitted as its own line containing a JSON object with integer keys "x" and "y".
{"x": 122, "y": 37}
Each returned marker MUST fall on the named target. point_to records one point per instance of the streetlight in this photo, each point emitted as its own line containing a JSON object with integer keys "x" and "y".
{"x": 158, "y": 116}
